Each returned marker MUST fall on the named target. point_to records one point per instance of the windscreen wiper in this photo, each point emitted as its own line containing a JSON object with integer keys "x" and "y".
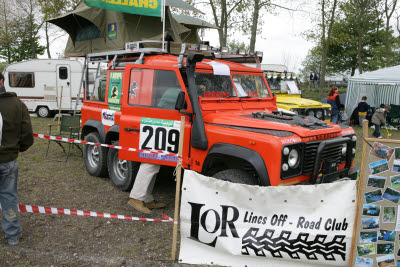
{"x": 228, "y": 96}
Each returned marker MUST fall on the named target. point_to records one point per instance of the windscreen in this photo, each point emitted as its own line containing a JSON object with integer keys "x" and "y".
{"x": 284, "y": 85}
{"x": 250, "y": 85}
{"x": 210, "y": 85}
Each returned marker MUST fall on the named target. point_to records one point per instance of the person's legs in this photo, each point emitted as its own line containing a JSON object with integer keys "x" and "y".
{"x": 9, "y": 201}
{"x": 144, "y": 182}
{"x": 335, "y": 118}
{"x": 377, "y": 131}
{"x": 360, "y": 120}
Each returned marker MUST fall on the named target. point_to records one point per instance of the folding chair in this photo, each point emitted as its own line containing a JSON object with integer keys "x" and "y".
{"x": 69, "y": 127}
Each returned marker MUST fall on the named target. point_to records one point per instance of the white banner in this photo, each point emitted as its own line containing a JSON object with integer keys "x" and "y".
{"x": 237, "y": 225}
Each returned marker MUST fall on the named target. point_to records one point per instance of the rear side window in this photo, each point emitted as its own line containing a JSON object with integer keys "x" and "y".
{"x": 63, "y": 73}
{"x": 22, "y": 79}
{"x": 154, "y": 88}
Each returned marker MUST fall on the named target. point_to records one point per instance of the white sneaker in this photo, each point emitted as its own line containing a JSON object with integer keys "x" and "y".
{"x": 380, "y": 137}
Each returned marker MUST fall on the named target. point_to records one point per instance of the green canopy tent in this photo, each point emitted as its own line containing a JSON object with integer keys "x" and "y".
{"x": 94, "y": 30}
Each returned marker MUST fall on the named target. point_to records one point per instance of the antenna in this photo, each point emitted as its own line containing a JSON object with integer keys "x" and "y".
{"x": 163, "y": 21}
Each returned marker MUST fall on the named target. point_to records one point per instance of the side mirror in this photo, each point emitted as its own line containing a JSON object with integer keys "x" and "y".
{"x": 181, "y": 101}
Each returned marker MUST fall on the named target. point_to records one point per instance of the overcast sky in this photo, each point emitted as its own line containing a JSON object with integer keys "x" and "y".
{"x": 281, "y": 39}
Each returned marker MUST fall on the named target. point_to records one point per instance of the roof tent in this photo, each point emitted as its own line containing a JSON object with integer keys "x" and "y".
{"x": 380, "y": 87}
{"x": 94, "y": 30}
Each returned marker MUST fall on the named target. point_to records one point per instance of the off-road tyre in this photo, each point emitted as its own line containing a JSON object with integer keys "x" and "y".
{"x": 121, "y": 172}
{"x": 43, "y": 112}
{"x": 236, "y": 176}
{"x": 95, "y": 157}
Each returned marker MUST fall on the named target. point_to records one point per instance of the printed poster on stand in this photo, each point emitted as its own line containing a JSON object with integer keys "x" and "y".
{"x": 236, "y": 225}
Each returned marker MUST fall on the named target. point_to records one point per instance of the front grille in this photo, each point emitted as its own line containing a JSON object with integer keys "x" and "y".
{"x": 333, "y": 153}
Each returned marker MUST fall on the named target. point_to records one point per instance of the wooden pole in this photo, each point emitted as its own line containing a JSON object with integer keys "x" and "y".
{"x": 59, "y": 110}
{"x": 178, "y": 190}
{"x": 359, "y": 189}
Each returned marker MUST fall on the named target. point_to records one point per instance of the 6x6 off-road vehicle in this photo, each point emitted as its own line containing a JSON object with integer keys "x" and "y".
{"x": 233, "y": 130}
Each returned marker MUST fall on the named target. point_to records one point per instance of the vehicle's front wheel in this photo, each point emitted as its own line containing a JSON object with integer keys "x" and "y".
{"x": 121, "y": 172}
{"x": 95, "y": 157}
{"x": 236, "y": 176}
{"x": 43, "y": 112}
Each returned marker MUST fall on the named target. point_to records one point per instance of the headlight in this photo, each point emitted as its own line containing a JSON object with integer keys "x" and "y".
{"x": 344, "y": 149}
{"x": 354, "y": 138}
{"x": 294, "y": 111}
{"x": 293, "y": 158}
{"x": 319, "y": 114}
{"x": 285, "y": 167}
{"x": 311, "y": 113}
{"x": 354, "y": 151}
{"x": 286, "y": 151}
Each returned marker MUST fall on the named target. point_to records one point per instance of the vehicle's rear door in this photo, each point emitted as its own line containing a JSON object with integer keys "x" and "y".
{"x": 149, "y": 121}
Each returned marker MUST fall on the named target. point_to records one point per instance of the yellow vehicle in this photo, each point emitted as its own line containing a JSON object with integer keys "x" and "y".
{"x": 288, "y": 96}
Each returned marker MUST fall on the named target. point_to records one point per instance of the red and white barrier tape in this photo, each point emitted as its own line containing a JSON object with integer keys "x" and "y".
{"x": 67, "y": 140}
{"x": 48, "y": 210}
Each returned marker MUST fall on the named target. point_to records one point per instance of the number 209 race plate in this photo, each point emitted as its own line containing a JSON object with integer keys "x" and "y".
{"x": 160, "y": 136}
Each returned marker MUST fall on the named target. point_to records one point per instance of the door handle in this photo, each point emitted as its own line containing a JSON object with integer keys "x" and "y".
{"x": 131, "y": 130}
{"x": 68, "y": 83}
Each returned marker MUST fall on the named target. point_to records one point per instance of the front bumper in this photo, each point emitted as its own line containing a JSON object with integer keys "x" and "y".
{"x": 326, "y": 171}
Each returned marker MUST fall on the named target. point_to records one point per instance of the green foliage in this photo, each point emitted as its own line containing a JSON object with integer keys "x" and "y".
{"x": 54, "y": 8}
{"x": 18, "y": 46}
{"x": 235, "y": 45}
{"x": 343, "y": 48}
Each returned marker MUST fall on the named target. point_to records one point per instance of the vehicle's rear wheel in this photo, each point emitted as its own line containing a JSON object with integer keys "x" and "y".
{"x": 43, "y": 112}
{"x": 236, "y": 176}
{"x": 95, "y": 157}
{"x": 121, "y": 172}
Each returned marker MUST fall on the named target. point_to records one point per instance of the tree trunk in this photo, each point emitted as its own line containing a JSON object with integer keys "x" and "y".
{"x": 47, "y": 39}
{"x": 387, "y": 44}
{"x": 254, "y": 25}
{"x": 31, "y": 21}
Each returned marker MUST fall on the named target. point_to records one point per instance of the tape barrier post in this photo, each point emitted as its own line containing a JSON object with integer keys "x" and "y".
{"x": 360, "y": 183}
{"x": 178, "y": 190}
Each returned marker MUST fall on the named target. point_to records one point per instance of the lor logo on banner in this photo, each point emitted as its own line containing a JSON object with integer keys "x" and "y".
{"x": 112, "y": 31}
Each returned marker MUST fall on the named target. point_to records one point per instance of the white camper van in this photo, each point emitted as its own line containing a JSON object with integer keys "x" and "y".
{"x": 43, "y": 83}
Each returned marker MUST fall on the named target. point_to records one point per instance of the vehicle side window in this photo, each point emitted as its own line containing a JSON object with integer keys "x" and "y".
{"x": 63, "y": 73}
{"x": 154, "y": 88}
{"x": 21, "y": 79}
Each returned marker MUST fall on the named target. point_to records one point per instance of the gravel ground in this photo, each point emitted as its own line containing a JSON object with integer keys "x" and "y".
{"x": 62, "y": 240}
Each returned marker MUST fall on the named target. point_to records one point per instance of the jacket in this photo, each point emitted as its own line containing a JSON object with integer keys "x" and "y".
{"x": 334, "y": 101}
{"x": 379, "y": 117}
{"x": 16, "y": 134}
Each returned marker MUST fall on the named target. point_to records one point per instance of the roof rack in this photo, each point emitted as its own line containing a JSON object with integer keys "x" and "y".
{"x": 131, "y": 49}
{"x": 141, "y": 48}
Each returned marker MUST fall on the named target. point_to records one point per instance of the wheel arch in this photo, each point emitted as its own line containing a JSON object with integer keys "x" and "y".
{"x": 241, "y": 153}
{"x": 112, "y": 134}
{"x": 94, "y": 126}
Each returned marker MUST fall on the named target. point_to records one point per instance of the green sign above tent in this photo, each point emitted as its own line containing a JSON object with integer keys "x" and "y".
{"x": 139, "y": 7}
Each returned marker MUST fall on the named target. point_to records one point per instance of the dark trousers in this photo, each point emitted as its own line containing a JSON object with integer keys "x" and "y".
{"x": 377, "y": 131}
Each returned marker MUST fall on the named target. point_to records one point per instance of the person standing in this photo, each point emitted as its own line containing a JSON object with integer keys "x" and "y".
{"x": 15, "y": 136}
{"x": 315, "y": 80}
{"x": 334, "y": 101}
{"x": 141, "y": 198}
{"x": 311, "y": 78}
{"x": 363, "y": 108}
{"x": 378, "y": 119}
{"x": 2, "y": 88}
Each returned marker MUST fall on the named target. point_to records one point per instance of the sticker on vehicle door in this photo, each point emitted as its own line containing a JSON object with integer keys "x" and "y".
{"x": 108, "y": 117}
{"x": 161, "y": 136}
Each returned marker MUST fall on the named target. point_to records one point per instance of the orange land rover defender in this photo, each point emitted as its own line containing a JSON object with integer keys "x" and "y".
{"x": 233, "y": 130}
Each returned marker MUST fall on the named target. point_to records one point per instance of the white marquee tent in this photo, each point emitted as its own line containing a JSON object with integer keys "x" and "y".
{"x": 381, "y": 87}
